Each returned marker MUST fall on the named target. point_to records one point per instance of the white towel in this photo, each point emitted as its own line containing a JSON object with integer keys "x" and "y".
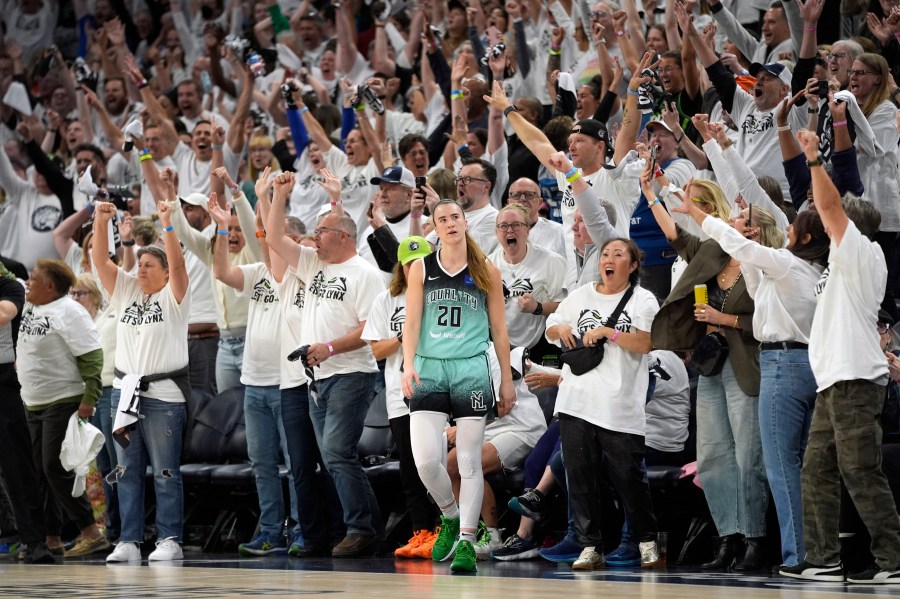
{"x": 129, "y": 402}
{"x": 865, "y": 137}
{"x": 82, "y": 443}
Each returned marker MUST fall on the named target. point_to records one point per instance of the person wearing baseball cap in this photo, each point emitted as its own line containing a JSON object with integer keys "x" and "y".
{"x": 596, "y": 131}
{"x": 390, "y": 212}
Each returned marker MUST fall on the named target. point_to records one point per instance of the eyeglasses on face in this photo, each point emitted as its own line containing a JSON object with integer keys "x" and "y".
{"x": 514, "y": 226}
{"x": 598, "y": 14}
{"x": 78, "y": 293}
{"x": 883, "y": 327}
{"x": 468, "y": 180}
{"x": 318, "y": 231}
{"x": 527, "y": 195}
{"x": 860, "y": 72}
{"x": 836, "y": 56}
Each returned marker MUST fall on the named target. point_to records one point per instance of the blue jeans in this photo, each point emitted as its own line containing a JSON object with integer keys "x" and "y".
{"x": 106, "y": 461}
{"x": 787, "y": 396}
{"x": 319, "y": 517}
{"x": 265, "y": 442}
{"x": 157, "y": 436}
{"x": 729, "y": 455}
{"x": 338, "y": 419}
{"x": 229, "y": 359}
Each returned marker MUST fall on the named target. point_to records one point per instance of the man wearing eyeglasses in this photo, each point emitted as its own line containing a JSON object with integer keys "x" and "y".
{"x": 340, "y": 289}
{"x": 473, "y": 188}
{"x": 544, "y": 232}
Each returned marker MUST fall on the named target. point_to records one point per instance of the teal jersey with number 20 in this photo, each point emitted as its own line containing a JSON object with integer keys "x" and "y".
{"x": 454, "y": 316}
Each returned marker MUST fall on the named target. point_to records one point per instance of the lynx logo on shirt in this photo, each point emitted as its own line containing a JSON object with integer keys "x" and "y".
{"x": 300, "y": 297}
{"x": 823, "y": 280}
{"x": 591, "y": 319}
{"x": 752, "y": 125}
{"x": 138, "y": 314}
{"x": 263, "y": 292}
{"x": 334, "y": 288}
{"x": 38, "y": 326}
{"x": 398, "y": 318}
{"x": 45, "y": 218}
{"x": 520, "y": 287}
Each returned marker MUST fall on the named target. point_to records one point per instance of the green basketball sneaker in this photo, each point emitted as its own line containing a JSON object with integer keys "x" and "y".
{"x": 447, "y": 539}
{"x": 465, "y": 558}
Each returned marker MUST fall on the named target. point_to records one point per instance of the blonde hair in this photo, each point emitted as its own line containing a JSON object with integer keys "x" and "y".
{"x": 86, "y": 282}
{"x": 86, "y": 252}
{"x": 475, "y": 257}
{"x": 260, "y": 140}
{"x": 516, "y": 208}
{"x": 711, "y": 194}
{"x": 770, "y": 234}
{"x": 144, "y": 229}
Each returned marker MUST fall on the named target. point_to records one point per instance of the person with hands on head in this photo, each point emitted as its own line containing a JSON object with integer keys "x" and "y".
{"x": 340, "y": 289}
{"x": 845, "y": 437}
{"x": 609, "y": 426}
{"x": 729, "y": 450}
{"x": 454, "y": 308}
{"x": 153, "y": 309}
{"x": 59, "y": 360}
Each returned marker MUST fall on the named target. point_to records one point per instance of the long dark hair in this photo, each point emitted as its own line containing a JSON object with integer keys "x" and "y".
{"x": 808, "y": 222}
{"x": 636, "y": 256}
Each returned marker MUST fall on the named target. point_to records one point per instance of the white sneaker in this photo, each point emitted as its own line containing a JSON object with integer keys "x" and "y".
{"x": 124, "y": 552}
{"x": 166, "y": 550}
{"x": 649, "y": 554}
{"x": 590, "y": 559}
{"x": 491, "y": 540}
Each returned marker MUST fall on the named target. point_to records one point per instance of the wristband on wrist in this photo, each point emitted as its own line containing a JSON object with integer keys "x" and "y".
{"x": 415, "y": 214}
{"x": 571, "y": 172}
{"x": 234, "y": 186}
{"x": 812, "y": 110}
{"x": 221, "y": 231}
{"x": 573, "y": 178}
{"x": 330, "y": 349}
{"x": 784, "y": 128}
{"x": 615, "y": 336}
{"x": 555, "y": 52}
{"x": 809, "y": 28}
{"x": 620, "y": 33}
{"x": 261, "y": 233}
{"x": 302, "y": 109}
{"x": 632, "y": 92}
{"x": 839, "y": 124}
{"x": 360, "y": 108}
{"x": 142, "y": 84}
{"x": 144, "y": 151}
{"x": 655, "y": 202}
{"x": 168, "y": 229}
{"x": 147, "y": 156}
{"x": 218, "y": 147}
{"x": 89, "y": 207}
{"x": 128, "y": 243}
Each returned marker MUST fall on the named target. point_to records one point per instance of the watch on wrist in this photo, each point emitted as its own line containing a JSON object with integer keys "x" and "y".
{"x": 539, "y": 309}
{"x": 812, "y": 163}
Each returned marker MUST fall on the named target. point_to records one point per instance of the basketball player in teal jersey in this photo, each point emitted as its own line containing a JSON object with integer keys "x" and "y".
{"x": 454, "y": 308}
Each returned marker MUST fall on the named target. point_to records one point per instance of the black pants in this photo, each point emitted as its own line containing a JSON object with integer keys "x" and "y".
{"x": 17, "y": 462}
{"x": 48, "y": 429}
{"x": 422, "y": 511}
{"x": 202, "y": 363}
{"x": 585, "y": 446}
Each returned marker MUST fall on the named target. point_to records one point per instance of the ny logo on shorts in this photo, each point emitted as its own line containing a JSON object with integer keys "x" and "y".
{"x": 478, "y": 400}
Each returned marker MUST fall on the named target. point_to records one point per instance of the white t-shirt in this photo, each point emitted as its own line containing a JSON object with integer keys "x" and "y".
{"x": 200, "y": 288}
{"x": 261, "y": 365}
{"x": 356, "y": 190}
{"x": 193, "y": 174}
{"x": 549, "y": 235}
{"x": 338, "y": 300}
{"x": 844, "y": 344}
{"x": 386, "y": 320}
{"x": 26, "y": 226}
{"x": 541, "y": 274}
{"x": 292, "y": 297}
{"x": 50, "y": 338}
{"x": 151, "y": 337}
{"x": 482, "y": 227}
{"x": 613, "y": 394}
{"x": 526, "y": 420}
{"x": 307, "y": 197}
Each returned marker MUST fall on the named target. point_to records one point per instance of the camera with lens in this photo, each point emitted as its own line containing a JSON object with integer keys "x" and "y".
{"x": 117, "y": 196}
{"x": 366, "y": 95}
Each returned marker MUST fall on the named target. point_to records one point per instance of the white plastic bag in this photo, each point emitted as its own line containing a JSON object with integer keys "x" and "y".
{"x": 82, "y": 443}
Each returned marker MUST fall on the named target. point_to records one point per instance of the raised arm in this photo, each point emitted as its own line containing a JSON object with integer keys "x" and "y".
{"x": 222, "y": 268}
{"x": 733, "y": 29}
{"x": 586, "y": 201}
{"x": 663, "y": 218}
{"x": 828, "y": 200}
{"x": 284, "y": 246}
{"x": 235, "y": 136}
{"x": 244, "y": 211}
{"x": 178, "y": 277}
{"x": 631, "y": 117}
{"x": 533, "y": 138}
{"x": 107, "y": 271}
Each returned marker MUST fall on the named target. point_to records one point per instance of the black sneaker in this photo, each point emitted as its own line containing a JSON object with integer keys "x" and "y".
{"x": 515, "y": 548}
{"x": 808, "y": 571}
{"x": 40, "y": 554}
{"x": 875, "y": 576}
{"x": 528, "y": 504}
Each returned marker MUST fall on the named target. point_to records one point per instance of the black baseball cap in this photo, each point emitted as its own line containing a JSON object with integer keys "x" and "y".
{"x": 595, "y": 129}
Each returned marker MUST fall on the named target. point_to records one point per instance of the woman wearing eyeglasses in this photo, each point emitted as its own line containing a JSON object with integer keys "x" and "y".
{"x": 454, "y": 307}
{"x": 532, "y": 278}
{"x": 86, "y": 292}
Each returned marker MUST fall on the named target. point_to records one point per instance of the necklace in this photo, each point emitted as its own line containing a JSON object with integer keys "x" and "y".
{"x": 723, "y": 276}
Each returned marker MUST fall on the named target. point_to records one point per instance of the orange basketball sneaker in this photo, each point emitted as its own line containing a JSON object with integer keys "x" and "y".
{"x": 423, "y": 551}
{"x": 408, "y": 551}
